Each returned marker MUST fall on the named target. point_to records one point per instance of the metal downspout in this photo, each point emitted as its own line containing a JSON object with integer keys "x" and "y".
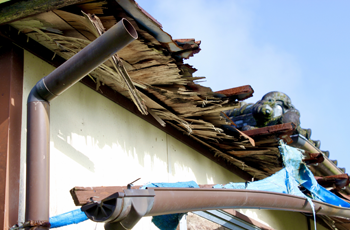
{"x": 38, "y": 110}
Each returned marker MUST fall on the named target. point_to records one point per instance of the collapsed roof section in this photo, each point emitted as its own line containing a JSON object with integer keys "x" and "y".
{"x": 165, "y": 86}
{"x": 155, "y": 65}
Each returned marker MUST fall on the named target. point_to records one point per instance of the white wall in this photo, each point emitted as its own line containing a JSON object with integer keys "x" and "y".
{"x": 95, "y": 142}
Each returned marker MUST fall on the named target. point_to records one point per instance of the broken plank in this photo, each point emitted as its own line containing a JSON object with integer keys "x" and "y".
{"x": 83, "y": 195}
{"x": 274, "y": 129}
{"x": 241, "y": 93}
{"x": 247, "y": 153}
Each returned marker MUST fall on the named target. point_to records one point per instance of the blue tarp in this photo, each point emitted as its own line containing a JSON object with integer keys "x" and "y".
{"x": 187, "y": 184}
{"x": 292, "y": 159}
{"x": 72, "y": 217}
{"x": 171, "y": 221}
{"x": 287, "y": 180}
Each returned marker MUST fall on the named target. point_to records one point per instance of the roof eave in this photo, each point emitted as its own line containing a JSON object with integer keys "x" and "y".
{"x": 15, "y": 10}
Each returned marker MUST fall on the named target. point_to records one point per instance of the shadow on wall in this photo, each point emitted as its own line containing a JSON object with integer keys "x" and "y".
{"x": 105, "y": 138}
{"x": 187, "y": 164}
{"x": 60, "y": 143}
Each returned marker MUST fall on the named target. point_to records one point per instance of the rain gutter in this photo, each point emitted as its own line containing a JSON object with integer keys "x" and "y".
{"x": 327, "y": 167}
{"x": 123, "y": 210}
{"x": 38, "y": 110}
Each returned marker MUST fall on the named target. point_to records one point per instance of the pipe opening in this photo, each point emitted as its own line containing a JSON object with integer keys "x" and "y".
{"x": 129, "y": 28}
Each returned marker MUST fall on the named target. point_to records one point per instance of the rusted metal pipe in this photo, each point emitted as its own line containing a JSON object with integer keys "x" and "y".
{"x": 123, "y": 210}
{"x": 38, "y": 125}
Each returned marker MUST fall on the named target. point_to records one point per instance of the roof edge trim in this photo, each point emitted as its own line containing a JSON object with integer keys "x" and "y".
{"x": 154, "y": 27}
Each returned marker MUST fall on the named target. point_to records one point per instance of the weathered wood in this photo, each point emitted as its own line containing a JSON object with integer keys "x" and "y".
{"x": 241, "y": 93}
{"x": 15, "y": 10}
{"x": 93, "y": 7}
{"x": 248, "y": 153}
{"x": 119, "y": 67}
{"x": 83, "y": 195}
{"x": 267, "y": 142}
{"x": 274, "y": 129}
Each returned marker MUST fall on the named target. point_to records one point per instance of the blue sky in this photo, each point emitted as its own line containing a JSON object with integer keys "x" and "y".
{"x": 298, "y": 47}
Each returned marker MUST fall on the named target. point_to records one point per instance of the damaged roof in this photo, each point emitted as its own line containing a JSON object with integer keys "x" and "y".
{"x": 165, "y": 84}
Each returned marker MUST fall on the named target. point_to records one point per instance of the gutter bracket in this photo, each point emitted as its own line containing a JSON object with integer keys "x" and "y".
{"x": 121, "y": 210}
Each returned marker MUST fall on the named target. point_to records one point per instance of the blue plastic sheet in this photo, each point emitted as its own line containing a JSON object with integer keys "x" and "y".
{"x": 186, "y": 184}
{"x": 280, "y": 182}
{"x": 72, "y": 217}
{"x": 171, "y": 221}
{"x": 284, "y": 181}
{"x": 167, "y": 222}
{"x": 292, "y": 159}
{"x": 287, "y": 180}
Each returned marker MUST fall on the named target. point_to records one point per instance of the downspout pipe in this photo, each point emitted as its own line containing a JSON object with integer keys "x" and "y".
{"x": 38, "y": 112}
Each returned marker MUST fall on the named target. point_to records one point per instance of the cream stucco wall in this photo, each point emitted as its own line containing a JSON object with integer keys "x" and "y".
{"x": 95, "y": 142}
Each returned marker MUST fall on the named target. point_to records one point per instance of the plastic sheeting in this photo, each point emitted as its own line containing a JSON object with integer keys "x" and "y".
{"x": 187, "y": 184}
{"x": 287, "y": 180}
{"x": 171, "y": 221}
{"x": 68, "y": 218}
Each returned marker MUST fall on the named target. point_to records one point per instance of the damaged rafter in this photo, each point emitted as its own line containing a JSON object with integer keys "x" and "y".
{"x": 274, "y": 129}
{"x": 239, "y": 93}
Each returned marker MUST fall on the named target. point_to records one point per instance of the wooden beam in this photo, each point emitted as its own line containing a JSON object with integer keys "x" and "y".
{"x": 241, "y": 93}
{"x": 14, "y": 10}
{"x": 11, "y": 88}
{"x": 245, "y": 153}
{"x": 83, "y": 195}
{"x": 269, "y": 130}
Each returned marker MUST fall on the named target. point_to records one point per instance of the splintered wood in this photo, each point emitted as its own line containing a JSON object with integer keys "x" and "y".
{"x": 156, "y": 80}
{"x": 119, "y": 67}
